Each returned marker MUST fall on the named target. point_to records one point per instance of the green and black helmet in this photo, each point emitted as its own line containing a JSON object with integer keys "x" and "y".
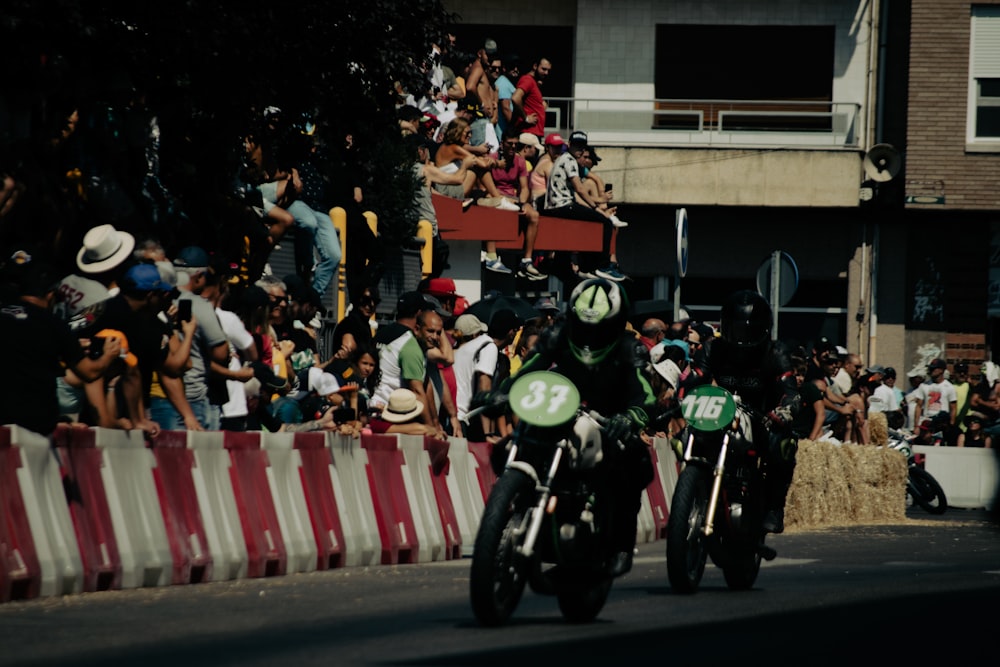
{"x": 597, "y": 314}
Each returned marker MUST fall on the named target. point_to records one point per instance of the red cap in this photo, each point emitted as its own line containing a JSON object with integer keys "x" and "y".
{"x": 442, "y": 286}
{"x": 554, "y": 140}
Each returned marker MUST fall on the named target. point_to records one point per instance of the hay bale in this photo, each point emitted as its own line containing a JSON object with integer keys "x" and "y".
{"x": 838, "y": 485}
{"x": 878, "y": 429}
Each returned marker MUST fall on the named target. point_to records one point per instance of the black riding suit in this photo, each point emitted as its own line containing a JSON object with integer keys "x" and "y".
{"x": 763, "y": 379}
{"x": 613, "y": 386}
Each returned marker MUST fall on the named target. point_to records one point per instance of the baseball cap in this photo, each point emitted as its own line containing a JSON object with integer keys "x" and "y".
{"x": 593, "y": 155}
{"x": 937, "y": 363}
{"x": 143, "y": 278}
{"x": 554, "y": 139}
{"x": 191, "y": 258}
{"x": 881, "y": 370}
{"x": 961, "y": 367}
{"x": 470, "y": 325}
{"x": 441, "y": 287}
{"x": 490, "y": 46}
{"x": 578, "y": 137}
{"x": 545, "y": 303}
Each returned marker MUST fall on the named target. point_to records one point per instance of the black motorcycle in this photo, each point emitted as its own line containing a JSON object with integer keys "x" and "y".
{"x": 921, "y": 487}
{"x": 718, "y": 504}
{"x": 547, "y": 520}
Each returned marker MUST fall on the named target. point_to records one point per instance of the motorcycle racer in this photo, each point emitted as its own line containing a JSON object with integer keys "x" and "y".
{"x": 593, "y": 349}
{"x": 746, "y": 362}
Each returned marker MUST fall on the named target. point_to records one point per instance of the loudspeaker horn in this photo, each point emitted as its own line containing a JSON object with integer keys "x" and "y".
{"x": 882, "y": 163}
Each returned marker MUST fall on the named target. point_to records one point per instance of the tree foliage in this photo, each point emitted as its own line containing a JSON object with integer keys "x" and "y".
{"x": 208, "y": 69}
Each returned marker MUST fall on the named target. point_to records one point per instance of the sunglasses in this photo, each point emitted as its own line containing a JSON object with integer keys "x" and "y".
{"x": 277, "y": 302}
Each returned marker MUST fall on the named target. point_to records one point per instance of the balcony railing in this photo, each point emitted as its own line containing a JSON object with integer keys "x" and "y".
{"x": 708, "y": 123}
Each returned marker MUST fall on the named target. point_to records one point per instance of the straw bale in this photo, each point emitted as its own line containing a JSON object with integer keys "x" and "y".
{"x": 878, "y": 428}
{"x": 837, "y": 485}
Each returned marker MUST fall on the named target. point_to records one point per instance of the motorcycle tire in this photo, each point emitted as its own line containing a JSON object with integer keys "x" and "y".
{"x": 926, "y": 491}
{"x": 742, "y": 568}
{"x": 498, "y": 575}
{"x": 583, "y": 602}
{"x": 687, "y": 549}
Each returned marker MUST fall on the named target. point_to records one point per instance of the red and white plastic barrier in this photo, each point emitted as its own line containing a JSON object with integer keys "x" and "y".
{"x": 284, "y": 474}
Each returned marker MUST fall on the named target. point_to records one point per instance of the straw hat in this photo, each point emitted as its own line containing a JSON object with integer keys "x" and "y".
{"x": 104, "y": 247}
{"x": 403, "y": 406}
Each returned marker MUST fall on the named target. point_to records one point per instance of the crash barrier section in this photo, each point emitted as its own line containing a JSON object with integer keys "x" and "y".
{"x": 266, "y": 552}
{"x": 130, "y": 489}
{"x": 462, "y": 480}
{"x": 285, "y": 478}
{"x": 318, "y": 474}
{"x": 182, "y": 517}
{"x": 80, "y": 466}
{"x": 969, "y": 476}
{"x": 484, "y": 469}
{"x": 217, "y": 501}
{"x": 396, "y": 525}
{"x": 20, "y": 569}
{"x": 44, "y": 503}
{"x": 354, "y": 498}
{"x": 426, "y": 459}
{"x": 656, "y": 499}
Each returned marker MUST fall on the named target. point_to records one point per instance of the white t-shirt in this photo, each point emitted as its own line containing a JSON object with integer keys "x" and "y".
{"x": 239, "y": 339}
{"x": 466, "y": 366}
{"x": 935, "y": 397}
{"x": 883, "y": 399}
{"x": 560, "y": 190}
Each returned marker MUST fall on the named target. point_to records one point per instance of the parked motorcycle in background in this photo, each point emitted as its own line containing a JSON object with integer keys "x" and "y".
{"x": 921, "y": 487}
{"x": 547, "y": 520}
{"x": 718, "y": 504}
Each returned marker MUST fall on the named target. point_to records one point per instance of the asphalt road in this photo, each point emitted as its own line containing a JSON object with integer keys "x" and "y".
{"x": 902, "y": 594}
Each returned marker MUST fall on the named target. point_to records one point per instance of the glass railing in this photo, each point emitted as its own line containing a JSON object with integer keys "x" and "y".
{"x": 708, "y": 123}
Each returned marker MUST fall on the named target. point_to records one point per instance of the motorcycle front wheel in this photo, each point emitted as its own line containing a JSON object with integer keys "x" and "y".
{"x": 498, "y": 573}
{"x": 926, "y": 491}
{"x": 583, "y": 602}
{"x": 687, "y": 550}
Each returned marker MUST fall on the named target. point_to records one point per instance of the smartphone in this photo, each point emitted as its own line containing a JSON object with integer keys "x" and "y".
{"x": 607, "y": 187}
{"x": 184, "y": 310}
{"x": 96, "y": 348}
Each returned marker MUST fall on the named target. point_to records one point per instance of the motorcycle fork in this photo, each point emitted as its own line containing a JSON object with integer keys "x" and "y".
{"x": 527, "y": 547}
{"x": 713, "y": 498}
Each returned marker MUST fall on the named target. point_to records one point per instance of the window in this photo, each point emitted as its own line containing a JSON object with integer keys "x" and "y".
{"x": 984, "y": 84}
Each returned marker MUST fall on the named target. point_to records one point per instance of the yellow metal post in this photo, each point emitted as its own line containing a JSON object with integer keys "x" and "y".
{"x": 339, "y": 217}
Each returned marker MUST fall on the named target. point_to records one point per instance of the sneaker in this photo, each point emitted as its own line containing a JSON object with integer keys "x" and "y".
{"x": 496, "y": 265}
{"x": 466, "y": 203}
{"x": 508, "y": 205}
{"x": 616, "y": 222}
{"x": 528, "y": 270}
{"x": 611, "y": 272}
{"x": 774, "y": 522}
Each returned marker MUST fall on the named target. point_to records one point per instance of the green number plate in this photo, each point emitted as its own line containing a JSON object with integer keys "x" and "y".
{"x": 544, "y": 398}
{"x": 709, "y": 408}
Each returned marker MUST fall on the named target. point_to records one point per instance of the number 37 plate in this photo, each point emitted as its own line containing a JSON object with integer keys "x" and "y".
{"x": 544, "y": 398}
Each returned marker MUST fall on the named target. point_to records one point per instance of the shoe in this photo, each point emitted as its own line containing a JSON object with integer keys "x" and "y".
{"x": 616, "y": 222}
{"x": 774, "y": 522}
{"x": 528, "y": 270}
{"x": 611, "y": 272}
{"x": 497, "y": 266}
{"x": 466, "y": 203}
{"x": 508, "y": 205}
{"x": 621, "y": 563}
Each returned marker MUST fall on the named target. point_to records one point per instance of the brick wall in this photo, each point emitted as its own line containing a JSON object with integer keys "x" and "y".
{"x": 936, "y": 156}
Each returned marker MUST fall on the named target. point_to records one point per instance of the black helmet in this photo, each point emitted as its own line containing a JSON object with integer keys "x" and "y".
{"x": 596, "y": 318}
{"x": 746, "y": 320}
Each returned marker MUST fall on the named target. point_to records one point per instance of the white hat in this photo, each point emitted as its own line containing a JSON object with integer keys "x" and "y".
{"x": 76, "y": 294}
{"x": 470, "y": 325}
{"x": 104, "y": 247}
{"x": 322, "y": 383}
{"x": 669, "y": 371}
{"x": 403, "y": 406}
{"x": 529, "y": 139}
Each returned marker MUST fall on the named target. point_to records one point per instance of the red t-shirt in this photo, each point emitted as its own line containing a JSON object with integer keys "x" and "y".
{"x": 508, "y": 181}
{"x": 532, "y": 103}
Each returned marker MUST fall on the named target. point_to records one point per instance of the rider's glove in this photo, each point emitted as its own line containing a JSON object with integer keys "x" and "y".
{"x": 494, "y": 402}
{"x": 620, "y": 427}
